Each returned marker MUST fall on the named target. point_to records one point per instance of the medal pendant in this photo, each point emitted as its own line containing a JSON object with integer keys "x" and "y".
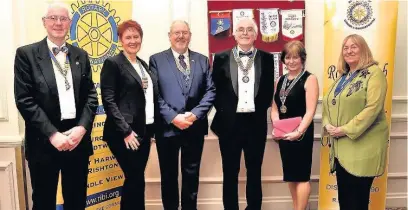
{"x": 245, "y": 79}
{"x": 283, "y": 109}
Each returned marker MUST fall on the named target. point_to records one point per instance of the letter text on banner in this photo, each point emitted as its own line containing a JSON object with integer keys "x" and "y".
{"x": 292, "y": 24}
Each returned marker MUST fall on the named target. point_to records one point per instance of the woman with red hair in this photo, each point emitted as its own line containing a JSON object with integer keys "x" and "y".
{"x": 129, "y": 98}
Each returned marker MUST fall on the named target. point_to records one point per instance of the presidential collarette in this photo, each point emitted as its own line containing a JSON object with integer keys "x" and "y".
{"x": 244, "y": 69}
{"x": 145, "y": 80}
{"x": 285, "y": 90}
{"x": 63, "y": 71}
{"x": 342, "y": 84}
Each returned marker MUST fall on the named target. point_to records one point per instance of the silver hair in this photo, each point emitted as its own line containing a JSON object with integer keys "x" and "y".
{"x": 179, "y": 21}
{"x": 253, "y": 23}
{"x": 58, "y": 4}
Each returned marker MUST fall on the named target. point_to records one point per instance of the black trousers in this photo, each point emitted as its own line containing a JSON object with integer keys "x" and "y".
{"x": 168, "y": 148}
{"x": 353, "y": 192}
{"x": 244, "y": 138}
{"x": 44, "y": 174}
{"x": 133, "y": 164}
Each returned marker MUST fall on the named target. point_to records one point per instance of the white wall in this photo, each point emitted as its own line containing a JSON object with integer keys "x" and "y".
{"x": 10, "y": 138}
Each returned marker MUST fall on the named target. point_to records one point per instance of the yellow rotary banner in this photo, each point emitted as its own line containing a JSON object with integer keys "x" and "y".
{"x": 376, "y": 21}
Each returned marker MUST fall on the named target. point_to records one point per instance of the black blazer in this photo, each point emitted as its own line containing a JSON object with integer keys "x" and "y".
{"x": 123, "y": 98}
{"x": 36, "y": 95}
{"x": 225, "y": 77}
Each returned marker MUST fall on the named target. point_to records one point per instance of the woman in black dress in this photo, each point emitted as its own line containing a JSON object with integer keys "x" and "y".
{"x": 296, "y": 95}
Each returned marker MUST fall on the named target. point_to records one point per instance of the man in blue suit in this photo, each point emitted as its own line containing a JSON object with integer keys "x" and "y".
{"x": 186, "y": 96}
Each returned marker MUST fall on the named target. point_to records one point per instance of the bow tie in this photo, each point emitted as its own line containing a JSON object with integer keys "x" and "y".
{"x": 242, "y": 54}
{"x": 56, "y": 50}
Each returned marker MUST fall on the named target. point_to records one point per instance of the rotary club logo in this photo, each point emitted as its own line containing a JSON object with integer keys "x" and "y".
{"x": 359, "y": 14}
{"x": 94, "y": 29}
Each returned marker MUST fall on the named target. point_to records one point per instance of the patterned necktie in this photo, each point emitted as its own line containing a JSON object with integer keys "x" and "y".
{"x": 182, "y": 62}
{"x": 56, "y": 50}
{"x": 185, "y": 71}
{"x": 242, "y": 54}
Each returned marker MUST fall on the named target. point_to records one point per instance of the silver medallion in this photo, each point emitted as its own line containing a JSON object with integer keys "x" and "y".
{"x": 283, "y": 109}
{"x": 245, "y": 79}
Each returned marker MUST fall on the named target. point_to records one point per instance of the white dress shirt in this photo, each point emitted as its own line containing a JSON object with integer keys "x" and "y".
{"x": 149, "y": 109}
{"x": 66, "y": 97}
{"x": 246, "y": 102}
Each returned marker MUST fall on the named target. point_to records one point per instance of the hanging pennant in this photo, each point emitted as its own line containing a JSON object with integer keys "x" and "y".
{"x": 292, "y": 24}
{"x": 220, "y": 22}
{"x": 269, "y": 21}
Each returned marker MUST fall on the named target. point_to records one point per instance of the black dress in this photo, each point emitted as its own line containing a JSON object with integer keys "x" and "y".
{"x": 296, "y": 155}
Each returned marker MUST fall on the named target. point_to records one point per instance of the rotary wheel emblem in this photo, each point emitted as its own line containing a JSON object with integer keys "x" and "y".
{"x": 359, "y": 15}
{"x": 94, "y": 29}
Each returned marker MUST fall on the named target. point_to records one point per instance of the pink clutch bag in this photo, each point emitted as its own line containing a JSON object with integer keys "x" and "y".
{"x": 282, "y": 127}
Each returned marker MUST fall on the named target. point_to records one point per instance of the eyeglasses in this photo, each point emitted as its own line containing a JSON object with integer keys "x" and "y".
{"x": 248, "y": 30}
{"x": 55, "y": 18}
{"x": 184, "y": 33}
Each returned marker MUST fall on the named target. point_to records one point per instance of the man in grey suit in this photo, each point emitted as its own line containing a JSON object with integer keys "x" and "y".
{"x": 186, "y": 96}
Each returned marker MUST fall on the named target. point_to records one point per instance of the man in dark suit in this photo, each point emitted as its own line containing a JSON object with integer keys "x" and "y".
{"x": 243, "y": 77}
{"x": 186, "y": 95}
{"x": 56, "y": 97}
